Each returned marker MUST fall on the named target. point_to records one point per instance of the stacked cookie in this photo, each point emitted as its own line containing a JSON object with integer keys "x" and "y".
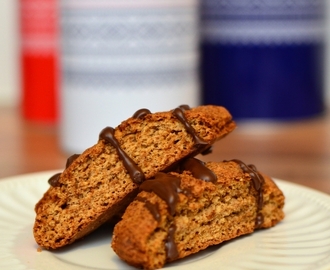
{"x": 180, "y": 213}
{"x": 174, "y": 204}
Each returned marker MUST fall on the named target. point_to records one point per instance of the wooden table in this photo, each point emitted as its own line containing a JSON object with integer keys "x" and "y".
{"x": 294, "y": 151}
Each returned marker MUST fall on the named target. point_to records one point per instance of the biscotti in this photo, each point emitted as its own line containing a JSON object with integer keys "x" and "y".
{"x": 104, "y": 179}
{"x": 180, "y": 213}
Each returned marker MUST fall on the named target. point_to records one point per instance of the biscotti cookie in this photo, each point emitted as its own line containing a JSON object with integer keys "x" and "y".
{"x": 178, "y": 214}
{"x": 100, "y": 182}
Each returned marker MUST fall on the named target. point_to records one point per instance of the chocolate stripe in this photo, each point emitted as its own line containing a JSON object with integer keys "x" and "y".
{"x": 136, "y": 174}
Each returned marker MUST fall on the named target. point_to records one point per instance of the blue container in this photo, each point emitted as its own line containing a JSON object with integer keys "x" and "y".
{"x": 264, "y": 59}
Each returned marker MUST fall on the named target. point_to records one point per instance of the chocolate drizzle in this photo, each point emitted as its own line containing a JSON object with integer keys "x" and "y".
{"x": 167, "y": 187}
{"x": 71, "y": 159}
{"x": 53, "y": 181}
{"x": 207, "y": 151}
{"x": 258, "y": 182}
{"x": 153, "y": 209}
{"x": 185, "y": 107}
{"x": 134, "y": 171}
{"x": 198, "y": 169}
{"x": 199, "y": 143}
{"x": 136, "y": 174}
{"x": 170, "y": 246}
{"x": 140, "y": 114}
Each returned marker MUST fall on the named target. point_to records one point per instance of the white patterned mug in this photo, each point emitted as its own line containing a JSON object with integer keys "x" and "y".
{"x": 120, "y": 56}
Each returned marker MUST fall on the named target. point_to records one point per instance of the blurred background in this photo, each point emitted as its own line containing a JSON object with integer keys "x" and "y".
{"x": 202, "y": 61}
{"x": 64, "y": 77}
{"x": 10, "y": 75}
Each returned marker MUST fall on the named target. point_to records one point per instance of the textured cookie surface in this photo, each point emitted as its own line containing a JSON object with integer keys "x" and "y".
{"x": 154, "y": 230}
{"x": 97, "y": 184}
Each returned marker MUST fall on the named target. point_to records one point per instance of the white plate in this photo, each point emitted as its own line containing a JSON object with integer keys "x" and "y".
{"x": 301, "y": 241}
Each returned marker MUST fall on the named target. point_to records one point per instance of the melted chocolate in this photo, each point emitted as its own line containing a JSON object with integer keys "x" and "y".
{"x": 258, "y": 182}
{"x": 198, "y": 170}
{"x": 153, "y": 209}
{"x": 185, "y": 107}
{"x": 140, "y": 114}
{"x": 53, "y": 181}
{"x": 170, "y": 246}
{"x": 207, "y": 151}
{"x": 71, "y": 159}
{"x": 199, "y": 143}
{"x": 136, "y": 174}
{"x": 166, "y": 186}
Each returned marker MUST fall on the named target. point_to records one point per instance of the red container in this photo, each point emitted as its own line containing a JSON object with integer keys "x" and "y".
{"x": 39, "y": 59}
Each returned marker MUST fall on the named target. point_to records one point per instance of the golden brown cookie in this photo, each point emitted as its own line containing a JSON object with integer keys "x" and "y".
{"x": 178, "y": 214}
{"x": 100, "y": 182}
